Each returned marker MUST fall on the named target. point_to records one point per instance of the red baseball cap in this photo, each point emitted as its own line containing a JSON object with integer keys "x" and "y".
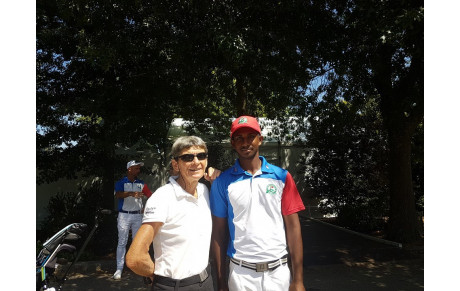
{"x": 244, "y": 121}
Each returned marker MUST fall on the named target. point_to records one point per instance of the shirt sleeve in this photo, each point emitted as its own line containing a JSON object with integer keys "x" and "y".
{"x": 119, "y": 186}
{"x": 156, "y": 208}
{"x": 218, "y": 199}
{"x": 146, "y": 191}
{"x": 291, "y": 201}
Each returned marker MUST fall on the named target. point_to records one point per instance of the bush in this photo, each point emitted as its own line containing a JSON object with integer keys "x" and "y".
{"x": 362, "y": 218}
{"x": 81, "y": 207}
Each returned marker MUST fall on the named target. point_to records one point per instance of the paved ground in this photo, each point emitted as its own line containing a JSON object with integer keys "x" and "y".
{"x": 338, "y": 260}
{"x": 98, "y": 276}
{"x": 333, "y": 260}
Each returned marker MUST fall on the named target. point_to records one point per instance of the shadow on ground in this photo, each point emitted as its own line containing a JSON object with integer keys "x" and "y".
{"x": 97, "y": 276}
{"x": 333, "y": 260}
{"x": 338, "y": 260}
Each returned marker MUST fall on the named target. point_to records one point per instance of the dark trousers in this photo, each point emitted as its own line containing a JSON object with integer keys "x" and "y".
{"x": 206, "y": 285}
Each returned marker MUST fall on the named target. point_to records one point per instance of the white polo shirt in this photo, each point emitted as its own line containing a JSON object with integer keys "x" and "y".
{"x": 254, "y": 206}
{"x": 181, "y": 246}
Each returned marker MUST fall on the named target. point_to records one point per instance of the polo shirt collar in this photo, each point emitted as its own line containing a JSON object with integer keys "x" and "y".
{"x": 181, "y": 192}
{"x": 126, "y": 180}
{"x": 265, "y": 167}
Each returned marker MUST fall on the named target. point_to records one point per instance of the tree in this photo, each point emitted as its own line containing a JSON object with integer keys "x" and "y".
{"x": 110, "y": 74}
{"x": 346, "y": 162}
{"x": 376, "y": 47}
{"x": 244, "y": 58}
{"x": 100, "y": 85}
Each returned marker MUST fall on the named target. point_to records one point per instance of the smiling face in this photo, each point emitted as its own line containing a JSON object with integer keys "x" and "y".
{"x": 246, "y": 142}
{"x": 190, "y": 171}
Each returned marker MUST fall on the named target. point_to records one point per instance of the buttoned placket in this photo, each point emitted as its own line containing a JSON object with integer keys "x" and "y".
{"x": 258, "y": 173}
{"x": 192, "y": 199}
{"x": 188, "y": 196}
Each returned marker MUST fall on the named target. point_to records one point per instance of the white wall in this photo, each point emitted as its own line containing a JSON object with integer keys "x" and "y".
{"x": 285, "y": 156}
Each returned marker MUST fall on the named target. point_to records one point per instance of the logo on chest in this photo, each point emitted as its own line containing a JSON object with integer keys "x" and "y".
{"x": 150, "y": 210}
{"x": 271, "y": 189}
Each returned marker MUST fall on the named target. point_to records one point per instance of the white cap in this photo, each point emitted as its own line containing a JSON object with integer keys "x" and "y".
{"x": 133, "y": 163}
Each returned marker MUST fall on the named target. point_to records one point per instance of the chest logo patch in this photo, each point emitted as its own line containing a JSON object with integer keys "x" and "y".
{"x": 271, "y": 189}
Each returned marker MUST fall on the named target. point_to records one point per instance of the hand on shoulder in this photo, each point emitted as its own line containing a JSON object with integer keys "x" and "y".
{"x": 212, "y": 174}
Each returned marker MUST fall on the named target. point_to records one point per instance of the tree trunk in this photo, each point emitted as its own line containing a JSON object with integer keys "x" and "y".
{"x": 403, "y": 222}
{"x": 400, "y": 128}
{"x": 241, "y": 98}
{"x": 108, "y": 185}
{"x": 108, "y": 172}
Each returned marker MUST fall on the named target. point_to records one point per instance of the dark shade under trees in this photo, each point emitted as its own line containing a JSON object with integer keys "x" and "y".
{"x": 112, "y": 73}
{"x": 376, "y": 48}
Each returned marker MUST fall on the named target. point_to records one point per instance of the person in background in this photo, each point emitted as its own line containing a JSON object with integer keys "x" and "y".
{"x": 177, "y": 219}
{"x": 129, "y": 191}
{"x": 254, "y": 206}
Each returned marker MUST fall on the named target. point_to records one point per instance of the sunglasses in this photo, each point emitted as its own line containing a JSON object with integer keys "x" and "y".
{"x": 191, "y": 157}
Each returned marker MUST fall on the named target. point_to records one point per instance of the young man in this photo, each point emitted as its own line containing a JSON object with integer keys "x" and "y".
{"x": 129, "y": 191}
{"x": 254, "y": 207}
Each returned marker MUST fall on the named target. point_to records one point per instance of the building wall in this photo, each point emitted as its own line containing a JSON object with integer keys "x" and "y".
{"x": 155, "y": 175}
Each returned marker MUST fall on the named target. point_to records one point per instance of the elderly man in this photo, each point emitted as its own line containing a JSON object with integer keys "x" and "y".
{"x": 129, "y": 191}
{"x": 177, "y": 220}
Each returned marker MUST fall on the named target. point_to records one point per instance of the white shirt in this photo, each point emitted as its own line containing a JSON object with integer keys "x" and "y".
{"x": 182, "y": 244}
{"x": 254, "y": 206}
{"x": 131, "y": 203}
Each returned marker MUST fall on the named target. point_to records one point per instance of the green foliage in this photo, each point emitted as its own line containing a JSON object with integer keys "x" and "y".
{"x": 81, "y": 207}
{"x": 219, "y": 157}
{"x": 112, "y": 73}
{"x": 346, "y": 162}
{"x": 109, "y": 74}
{"x": 370, "y": 50}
